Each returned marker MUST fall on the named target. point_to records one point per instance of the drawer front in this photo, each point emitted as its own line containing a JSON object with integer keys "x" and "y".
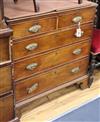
{"x": 42, "y": 62}
{"x": 44, "y": 43}
{"x": 46, "y": 81}
{"x": 6, "y": 108}
{"x": 4, "y": 50}
{"x": 73, "y": 17}
{"x": 29, "y": 27}
{"x": 5, "y": 79}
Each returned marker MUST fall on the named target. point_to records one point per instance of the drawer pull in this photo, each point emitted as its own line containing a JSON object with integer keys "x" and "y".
{"x": 75, "y": 70}
{"x": 31, "y": 66}
{"x": 77, "y": 51}
{"x": 77, "y": 19}
{"x": 35, "y": 28}
{"x": 31, "y": 47}
{"x": 32, "y": 88}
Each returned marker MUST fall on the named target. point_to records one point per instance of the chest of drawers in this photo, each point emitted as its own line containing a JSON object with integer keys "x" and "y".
{"x": 41, "y": 52}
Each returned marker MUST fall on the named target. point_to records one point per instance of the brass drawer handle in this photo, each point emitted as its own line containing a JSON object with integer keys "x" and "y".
{"x": 31, "y": 47}
{"x": 31, "y": 66}
{"x": 32, "y": 88}
{"x": 77, "y": 51}
{"x": 34, "y": 28}
{"x": 77, "y": 19}
{"x": 75, "y": 70}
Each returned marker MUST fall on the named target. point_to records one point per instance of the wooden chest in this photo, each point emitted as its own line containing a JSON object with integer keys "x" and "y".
{"x": 45, "y": 50}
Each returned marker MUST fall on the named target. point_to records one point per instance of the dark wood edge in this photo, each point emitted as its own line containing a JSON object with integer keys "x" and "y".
{"x": 1, "y": 10}
{"x": 80, "y": 1}
{"x": 5, "y": 32}
{"x": 6, "y": 93}
{"x": 91, "y": 69}
{"x": 6, "y": 63}
{"x": 36, "y": 6}
{"x": 22, "y": 103}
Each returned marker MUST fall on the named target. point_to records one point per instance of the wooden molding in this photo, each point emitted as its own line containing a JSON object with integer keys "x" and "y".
{"x": 1, "y": 10}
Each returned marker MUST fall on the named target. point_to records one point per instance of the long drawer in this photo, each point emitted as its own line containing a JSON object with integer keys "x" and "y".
{"x": 45, "y": 61}
{"x": 51, "y": 79}
{"x": 75, "y": 16}
{"x": 5, "y": 79}
{"x": 6, "y": 108}
{"x": 36, "y": 45}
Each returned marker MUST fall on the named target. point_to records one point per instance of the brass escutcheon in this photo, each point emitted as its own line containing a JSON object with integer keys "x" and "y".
{"x": 32, "y": 88}
{"x": 77, "y": 19}
{"x": 34, "y": 28}
{"x": 31, "y": 46}
{"x": 31, "y": 66}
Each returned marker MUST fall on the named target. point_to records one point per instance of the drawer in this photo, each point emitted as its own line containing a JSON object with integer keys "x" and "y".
{"x": 51, "y": 79}
{"x": 4, "y": 49}
{"x": 6, "y": 108}
{"x": 75, "y": 16}
{"x": 48, "y": 60}
{"x": 5, "y": 79}
{"x": 35, "y": 45}
{"x": 33, "y": 26}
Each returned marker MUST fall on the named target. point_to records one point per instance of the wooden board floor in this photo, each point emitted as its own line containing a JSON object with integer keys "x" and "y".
{"x": 71, "y": 99}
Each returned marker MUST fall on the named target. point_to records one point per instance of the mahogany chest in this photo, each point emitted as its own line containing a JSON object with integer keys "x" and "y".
{"x": 43, "y": 52}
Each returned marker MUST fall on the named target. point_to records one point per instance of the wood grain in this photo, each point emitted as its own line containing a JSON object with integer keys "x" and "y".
{"x": 21, "y": 29}
{"x": 5, "y": 79}
{"x": 4, "y": 49}
{"x": 57, "y": 64}
{"x": 50, "y": 80}
{"x": 59, "y": 106}
{"x": 49, "y": 41}
{"x": 65, "y": 19}
{"x": 25, "y": 8}
{"x": 50, "y": 60}
{"x": 6, "y": 108}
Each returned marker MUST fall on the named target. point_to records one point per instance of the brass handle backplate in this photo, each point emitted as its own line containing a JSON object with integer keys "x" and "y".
{"x": 32, "y": 88}
{"x": 75, "y": 70}
{"x": 31, "y": 66}
{"x": 34, "y": 28}
{"x": 77, "y": 51}
{"x": 31, "y": 46}
{"x": 77, "y": 19}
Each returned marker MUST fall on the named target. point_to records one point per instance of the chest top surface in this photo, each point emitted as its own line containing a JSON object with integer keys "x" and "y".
{"x": 26, "y": 8}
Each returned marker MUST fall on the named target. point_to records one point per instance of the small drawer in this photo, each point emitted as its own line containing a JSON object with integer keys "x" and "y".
{"x": 73, "y": 17}
{"x": 6, "y": 108}
{"x": 33, "y": 26}
{"x": 36, "y": 45}
{"x": 48, "y": 60}
{"x": 5, "y": 79}
{"x": 4, "y": 49}
{"x": 51, "y": 79}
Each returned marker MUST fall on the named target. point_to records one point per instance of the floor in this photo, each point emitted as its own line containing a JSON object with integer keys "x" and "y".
{"x": 71, "y": 99}
{"x": 89, "y": 112}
